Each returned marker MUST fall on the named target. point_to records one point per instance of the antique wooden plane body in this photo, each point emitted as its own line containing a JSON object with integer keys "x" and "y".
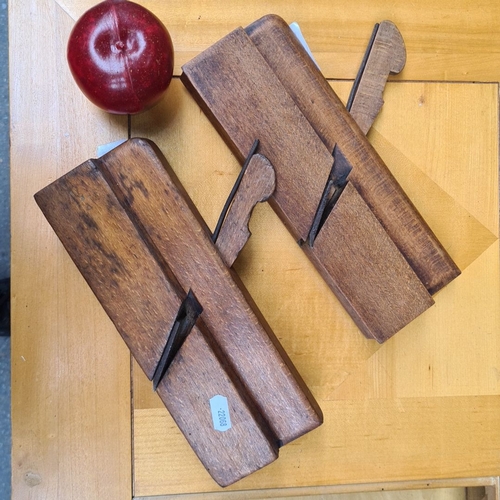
{"x": 374, "y": 249}
{"x": 141, "y": 246}
{"x": 153, "y": 264}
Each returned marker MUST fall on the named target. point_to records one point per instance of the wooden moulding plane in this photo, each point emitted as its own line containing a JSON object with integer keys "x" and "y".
{"x": 151, "y": 261}
{"x": 166, "y": 282}
{"x": 333, "y": 192}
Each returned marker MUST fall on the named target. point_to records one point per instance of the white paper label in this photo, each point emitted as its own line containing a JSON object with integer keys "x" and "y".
{"x": 220, "y": 413}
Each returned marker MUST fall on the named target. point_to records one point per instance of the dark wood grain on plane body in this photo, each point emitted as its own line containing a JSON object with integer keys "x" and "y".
{"x": 153, "y": 195}
{"x": 236, "y": 69}
{"x": 114, "y": 260}
{"x": 198, "y": 373}
{"x": 139, "y": 291}
{"x": 318, "y": 102}
{"x": 371, "y": 278}
{"x": 232, "y": 77}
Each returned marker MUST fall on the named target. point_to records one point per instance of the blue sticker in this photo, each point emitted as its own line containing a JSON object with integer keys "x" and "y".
{"x": 220, "y": 413}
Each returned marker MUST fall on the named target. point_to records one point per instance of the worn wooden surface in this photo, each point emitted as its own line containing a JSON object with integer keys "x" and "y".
{"x": 427, "y": 383}
{"x": 417, "y": 392}
{"x": 227, "y": 80}
{"x": 387, "y": 56}
{"x": 118, "y": 218}
{"x": 228, "y": 310}
{"x": 373, "y": 276}
{"x": 371, "y": 177}
{"x": 233, "y": 64}
{"x": 257, "y": 185}
{"x": 141, "y": 296}
{"x": 113, "y": 258}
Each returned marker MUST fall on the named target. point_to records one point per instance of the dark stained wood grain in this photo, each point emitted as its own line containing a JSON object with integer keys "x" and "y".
{"x": 371, "y": 177}
{"x": 219, "y": 78}
{"x": 140, "y": 244}
{"x": 142, "y": 297}
{"x": 198, "y": 373}
{"x": 370, "y": 276}
{"x": 134, "y": 290}
{"x": 257, "y": 185}
{"x": 232, "y": 77}
{"x": 154, "y": 198}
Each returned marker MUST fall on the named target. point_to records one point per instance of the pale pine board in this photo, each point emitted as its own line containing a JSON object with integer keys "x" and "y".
{"x": 452, "y": 40}
{"x": 389, "y": 439}
{"x": 337, "y": 493}
{"x": 392, "y": 412}
{"x": 70, "y": 368}
{"x": 70, "y": 391}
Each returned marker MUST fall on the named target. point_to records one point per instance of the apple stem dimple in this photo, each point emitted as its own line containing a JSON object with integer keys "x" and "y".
{"x": 121, "y": 56}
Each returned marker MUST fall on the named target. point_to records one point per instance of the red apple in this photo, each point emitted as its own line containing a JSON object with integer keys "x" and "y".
{"x": 121, "y": 56}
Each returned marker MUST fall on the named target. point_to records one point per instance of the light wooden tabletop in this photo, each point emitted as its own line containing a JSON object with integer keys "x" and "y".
{"x": 425, "y": 405}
